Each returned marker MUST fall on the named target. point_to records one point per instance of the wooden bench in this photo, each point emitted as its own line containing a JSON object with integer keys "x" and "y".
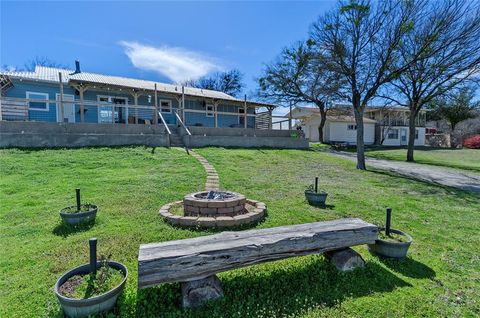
{"x": 194, "y": 262}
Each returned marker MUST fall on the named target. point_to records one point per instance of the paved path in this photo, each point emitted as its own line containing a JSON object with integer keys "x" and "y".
{"x": 440, "y": 175}
{"x": 213, "y": 182}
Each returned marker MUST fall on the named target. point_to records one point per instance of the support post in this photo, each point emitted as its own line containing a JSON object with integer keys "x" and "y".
{"x": 155, "y": 112}
{"x": 388, "y": 221}
{"x": 316, "y": 184}
{"x": 81, "y": 90}
{"x": 345, "y": 260}
{"x": 215, "y": 109}
{"x": 183, "y": 104}
{"x": 77, "y": 192}
{"x": 93, "y": 255}
{"x": 61, "y": 116}
{"x": 195, "y": 293}
{"x": 135, "y": 101}
{"x": 270, "y": 123}
{"x": 245, "y": 112}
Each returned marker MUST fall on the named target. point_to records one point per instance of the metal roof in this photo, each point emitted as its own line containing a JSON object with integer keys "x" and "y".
{"x": 50, "y": 74}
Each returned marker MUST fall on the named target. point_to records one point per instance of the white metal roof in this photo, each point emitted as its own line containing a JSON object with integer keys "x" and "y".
{"x": 50, "y": 74}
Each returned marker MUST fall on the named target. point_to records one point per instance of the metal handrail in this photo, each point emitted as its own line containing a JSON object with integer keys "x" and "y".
{"x": 164, "y": 123}
{"x": 183, "y": 125}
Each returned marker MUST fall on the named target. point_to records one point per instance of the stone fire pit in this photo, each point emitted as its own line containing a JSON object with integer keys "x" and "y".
{"x": 209, "y": 209}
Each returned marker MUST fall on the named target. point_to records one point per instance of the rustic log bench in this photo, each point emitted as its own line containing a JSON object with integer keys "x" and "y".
{"x": 194, "y": 262}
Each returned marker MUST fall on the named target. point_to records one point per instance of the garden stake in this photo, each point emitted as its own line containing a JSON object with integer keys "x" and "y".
{"x": 387, "y": 223}
{"x": 93, "y": 255}
{"x": 316, "y": 184}
{"x": 77, "y": 190}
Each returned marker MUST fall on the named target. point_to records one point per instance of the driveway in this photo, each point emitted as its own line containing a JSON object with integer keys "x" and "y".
{"x": 439, "y": 175}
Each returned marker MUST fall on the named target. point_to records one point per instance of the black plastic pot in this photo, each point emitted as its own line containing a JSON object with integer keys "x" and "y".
{"x": 316, "y": 198}
{"x": 391, "y": 249}
{"x": 79, "y": 217}
{"x": 90, "y": 306}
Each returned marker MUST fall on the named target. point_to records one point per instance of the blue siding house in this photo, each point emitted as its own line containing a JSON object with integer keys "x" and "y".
{"x": 60, "y": 95}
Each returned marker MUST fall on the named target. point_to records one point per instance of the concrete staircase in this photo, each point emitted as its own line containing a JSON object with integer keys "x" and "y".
{"x": 175, "y": 138}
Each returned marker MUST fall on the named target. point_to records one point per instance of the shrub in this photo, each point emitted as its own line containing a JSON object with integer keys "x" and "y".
{"x": 472, "y": 142}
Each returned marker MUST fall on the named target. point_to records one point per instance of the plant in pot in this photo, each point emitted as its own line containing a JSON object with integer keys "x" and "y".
{"x": 391, "y": 243}
{"x": 91, "y": 288}
{"x": 313, "y": 196}
{"x": 80, "y": 213}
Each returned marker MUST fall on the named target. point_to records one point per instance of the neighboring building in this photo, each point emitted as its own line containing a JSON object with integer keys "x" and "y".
{"x": 338, "y": 128}
{"x": 392, "y": 125}
{"x": 386, "y": 126}
{"x": 97, "y": 98}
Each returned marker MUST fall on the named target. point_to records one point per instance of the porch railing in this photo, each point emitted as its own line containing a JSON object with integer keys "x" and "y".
{"x": 182, "y": 124}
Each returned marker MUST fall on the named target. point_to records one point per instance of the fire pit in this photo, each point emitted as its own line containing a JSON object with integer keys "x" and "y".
{"x": 213, "y": 209}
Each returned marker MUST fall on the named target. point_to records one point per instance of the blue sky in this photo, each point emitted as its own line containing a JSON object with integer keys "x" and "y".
{"x": 163, "y": 41}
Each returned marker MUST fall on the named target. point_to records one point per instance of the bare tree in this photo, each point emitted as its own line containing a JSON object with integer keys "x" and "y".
{"x": 229, "y": 82}
{"x": 446, "y": 36}
{"x": 361, "y": 39}
{"x": 300, "y": 75}
{"x": 41, "y": 61}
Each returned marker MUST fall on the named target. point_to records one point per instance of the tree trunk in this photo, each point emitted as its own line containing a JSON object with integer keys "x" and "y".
{"x": 411, "y": 136}
{"x": 360, "y": 143}
{"x": 323, "y": 119}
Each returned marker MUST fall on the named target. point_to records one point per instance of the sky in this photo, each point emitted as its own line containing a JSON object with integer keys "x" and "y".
{"x": 161, "y": 41}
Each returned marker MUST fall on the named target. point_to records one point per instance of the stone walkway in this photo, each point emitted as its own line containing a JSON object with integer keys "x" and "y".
{"x": 213, "y": 182}
{"x": 433, "y": 174}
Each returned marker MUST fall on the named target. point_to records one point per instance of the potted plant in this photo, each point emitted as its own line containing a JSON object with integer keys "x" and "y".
{"x": 79, "y": 213}
{"x": 91, "y": 288}
{"x": 313, "y": 196}
{"x": 391, "y": 243}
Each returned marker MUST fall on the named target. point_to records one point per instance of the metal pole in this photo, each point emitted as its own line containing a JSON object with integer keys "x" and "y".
{"x": 316, "y": 184}
{"x": 388, "y": 221}
{"x": 183, "y": 104}
{"x": 93, "y": 255}
{"x": 77, "y": 190}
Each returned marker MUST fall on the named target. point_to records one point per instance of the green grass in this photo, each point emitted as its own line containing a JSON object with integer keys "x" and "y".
{"x": 468, "y": 159}
{"x": 440, "y": 278}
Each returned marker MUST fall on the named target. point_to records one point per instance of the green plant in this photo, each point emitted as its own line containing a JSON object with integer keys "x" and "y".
{"x": 83, "y": 208}
{"x": 91, "y": 285}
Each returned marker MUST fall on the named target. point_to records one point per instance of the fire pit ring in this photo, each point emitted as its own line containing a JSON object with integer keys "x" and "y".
{"x": 207, "y": 209}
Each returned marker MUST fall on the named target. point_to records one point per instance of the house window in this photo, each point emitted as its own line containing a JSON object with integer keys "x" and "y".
{"x": 37, "y": 101}
{"x": 165, "y": 106}
{"x": 210, "y": 110}
{"x": 352, "y": 127}
{"x": 393, "y": 134}
{"x": 416, "y": 133}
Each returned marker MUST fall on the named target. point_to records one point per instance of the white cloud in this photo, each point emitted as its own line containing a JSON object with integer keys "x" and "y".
{"x": 176, "y": 63}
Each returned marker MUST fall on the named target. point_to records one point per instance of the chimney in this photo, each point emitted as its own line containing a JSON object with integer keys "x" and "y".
{"x": 77, "y": 68}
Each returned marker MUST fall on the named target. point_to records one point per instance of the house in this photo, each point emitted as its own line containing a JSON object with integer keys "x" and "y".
{"x": 392, "y": 125}
{"x": 97, "y": 98}
{"x": 52, "y": 107}
{"x": 339, "y": 128}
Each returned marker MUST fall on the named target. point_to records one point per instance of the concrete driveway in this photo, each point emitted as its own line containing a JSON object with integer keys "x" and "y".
{"x": 456, "y": 178}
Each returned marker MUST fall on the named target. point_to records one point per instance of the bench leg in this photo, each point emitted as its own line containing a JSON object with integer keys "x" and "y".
{"x": 345, "y": 259}
{"x": 196, "y": 292}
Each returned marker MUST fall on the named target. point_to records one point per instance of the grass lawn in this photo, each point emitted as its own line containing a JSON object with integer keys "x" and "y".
{"x": 441, "y": 277}
{"x": 468, "y": 159}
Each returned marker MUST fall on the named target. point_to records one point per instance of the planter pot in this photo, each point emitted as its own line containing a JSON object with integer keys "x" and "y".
{"x": 391, "y": 249}
{"x": 316, "y": 198}
{"x": 91, "y": 306}
{"x": 80, "y": 217}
